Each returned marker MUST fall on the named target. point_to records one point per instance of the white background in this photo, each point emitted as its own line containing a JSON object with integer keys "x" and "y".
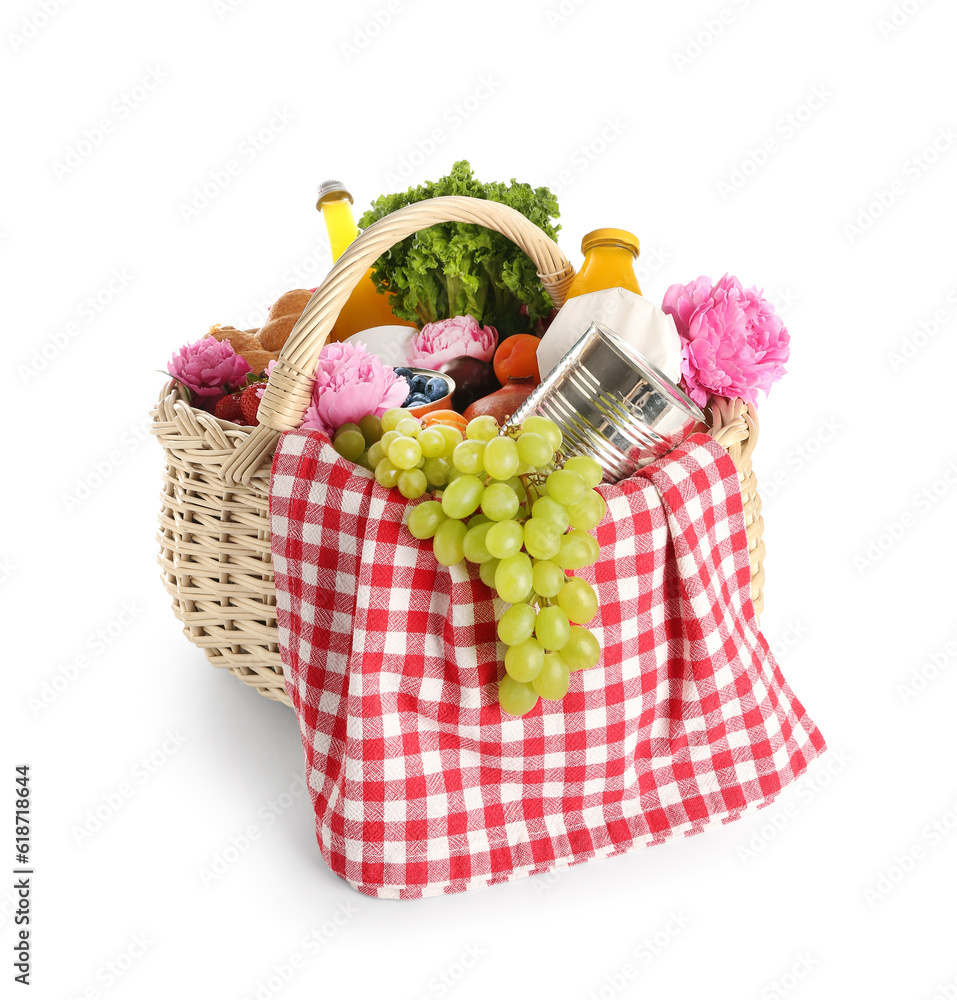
{"x": 612, "y": 105}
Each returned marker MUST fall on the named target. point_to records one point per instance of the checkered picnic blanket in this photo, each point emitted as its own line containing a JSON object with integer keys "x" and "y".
{"x": 421, "y": 785}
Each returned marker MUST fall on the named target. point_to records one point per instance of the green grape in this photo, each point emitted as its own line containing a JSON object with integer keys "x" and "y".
{"x": 582, "y": 651}
{"x": 345, "y": 428}
{"x": 547, "y": 578}
{"x": 412, "y": 483}
{"x": 513, "y": 577}
{"x": 542, "y": 538}
{"x": 578, "y": 549}
{"x": 371, "y": 427}
{"x": 462, "y": 496}
{"x": 386, "y": 474}
{"x": 436, "y": 470}
{"x": 467, "y": 457}
{"x": 349, "y": 444}
{"x": 474, "y": 544}
{"x": 551, "y": 627}
{"x": 517, "y": 624}
{"x": 586, "y": 467}
{"x": 501, "y": 457}
{"x": 578, "y": 600}
{"x": 487, "y": 572}
{"x": 404, "y": 453}
{"x": 499, "y": 502}
{"x": 552, "y": 680}
{"x": 447, "y": 543}
{"x": 524, "y": 661}
{"x": 432, "y": 442}
{"x": 454, "y": 473}
{"x": 551, "y": 510}
{"x": 387, "y": 438}
{"x": 365, "y": 463}
{"x": 588, "y": 512}
{"x": 518, "y": 486}
{"x": 547, "y": 428}
{"x": 516, "y": 698}
{"x": 390, "y": 419}
{"x": 376, "y": 453}
{"x": 477, "y": 519}
{"x": 482, "y": 428}
{"x": 534, "y": 449}
{"x": 565, "y": 487}
{"x": 420, "y": 463}
{"x": 450, "y": 435}
{"x": 409, "y": 426}
{"x": 425, "y": 519}
{"x": 505, "y": 539}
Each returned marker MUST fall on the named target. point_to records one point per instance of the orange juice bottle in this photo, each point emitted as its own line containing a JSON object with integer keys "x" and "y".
{"x": 610, "y": 256}
{"x": 365, "y": 307}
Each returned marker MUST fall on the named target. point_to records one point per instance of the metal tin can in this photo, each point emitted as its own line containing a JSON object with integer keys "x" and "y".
{"x": 613, "y": 404}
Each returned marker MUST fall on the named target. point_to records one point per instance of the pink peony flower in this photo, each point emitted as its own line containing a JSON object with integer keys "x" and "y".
{"x": 442, "y": 341}
{"x": 351, "y": 384}
{"x": 209, "y": 368}
{"x": 733, "y": 342}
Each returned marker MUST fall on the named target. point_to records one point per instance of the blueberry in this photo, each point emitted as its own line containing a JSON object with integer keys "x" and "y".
{"x": 404, "y": 373}
{"x": 418, "y": 399}
{"x": 418, "y": 383}
{"x": 436, "y": 388}
{"x": 407, "y": 402}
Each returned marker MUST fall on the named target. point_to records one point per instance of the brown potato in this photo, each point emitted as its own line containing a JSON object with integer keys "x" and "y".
{"x": 289, "y": 303}
{"x": 276, "y": 331}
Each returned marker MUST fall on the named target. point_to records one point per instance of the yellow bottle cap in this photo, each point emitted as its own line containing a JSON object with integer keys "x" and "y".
{"x": 332, "y": 189}
{"x": 610, "y": 238}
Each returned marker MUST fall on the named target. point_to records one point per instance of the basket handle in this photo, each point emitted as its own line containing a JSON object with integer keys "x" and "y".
{"x": 289, "y": 390}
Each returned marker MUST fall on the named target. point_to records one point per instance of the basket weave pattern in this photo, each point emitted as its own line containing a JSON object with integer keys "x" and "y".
{"x": 214, "y": 521}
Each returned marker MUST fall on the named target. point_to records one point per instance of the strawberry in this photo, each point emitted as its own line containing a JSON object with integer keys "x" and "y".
{"x": 230, "y": 408}
{"x": 249, "y": 400}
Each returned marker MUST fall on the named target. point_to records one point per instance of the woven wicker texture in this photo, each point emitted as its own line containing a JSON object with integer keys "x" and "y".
{"x": 214, "y": 520}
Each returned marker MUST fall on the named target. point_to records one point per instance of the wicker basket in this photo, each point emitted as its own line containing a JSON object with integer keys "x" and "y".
{"x": 214, "y": 521}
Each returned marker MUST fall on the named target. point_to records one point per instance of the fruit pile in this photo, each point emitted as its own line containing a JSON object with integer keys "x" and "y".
{"x": 510, "y": 504}
{"x": 422, "y": 389}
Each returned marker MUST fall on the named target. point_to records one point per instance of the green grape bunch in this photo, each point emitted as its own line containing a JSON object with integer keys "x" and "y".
{"x": 510, "y": 503}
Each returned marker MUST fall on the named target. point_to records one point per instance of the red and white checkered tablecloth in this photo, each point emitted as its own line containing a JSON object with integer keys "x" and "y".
{"x": 421, "y": 785}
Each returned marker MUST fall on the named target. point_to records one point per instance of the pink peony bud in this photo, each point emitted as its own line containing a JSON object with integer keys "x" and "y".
{"x": 461, "y": 336}
{"x": 209, "y": 368}
{"x": 733, "y": 342}
{"x": 350, "y": 384}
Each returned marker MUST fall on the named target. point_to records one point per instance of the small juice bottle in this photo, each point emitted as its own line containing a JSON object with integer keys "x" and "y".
{"x": 365, "y": 307}
{"x": 610, "y": 256}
